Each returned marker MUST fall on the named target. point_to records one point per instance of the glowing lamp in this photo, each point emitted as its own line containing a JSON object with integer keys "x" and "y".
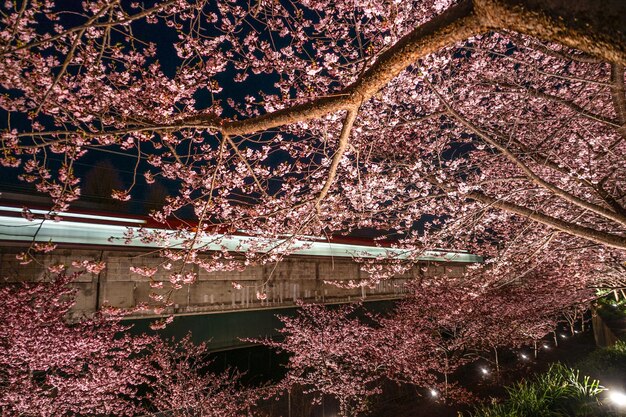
{"x": 618, "y": 398}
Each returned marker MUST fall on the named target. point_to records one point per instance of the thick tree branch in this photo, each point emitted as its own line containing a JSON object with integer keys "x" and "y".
{"x": 608, "y": 198}
{"x": 341, "y": 149}
{"x": 454, "y": 25}
{"x": 618, "y": 94}
{"x": 595, "y": 27}
{"x": 578, "y": 26}
{"x": 567, "y": 196}
{"x": 598, "y": 236}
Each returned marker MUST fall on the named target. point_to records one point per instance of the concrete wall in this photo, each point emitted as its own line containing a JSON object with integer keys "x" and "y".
{"x": 294, "y": 278}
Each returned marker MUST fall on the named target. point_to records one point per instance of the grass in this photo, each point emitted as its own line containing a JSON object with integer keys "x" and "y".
{"x": 561, "y": 391}
{"x": 607, "y": 363}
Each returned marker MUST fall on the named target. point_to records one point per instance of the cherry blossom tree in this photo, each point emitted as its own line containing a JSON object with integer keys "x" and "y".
{"x": 329, "y": 356}
{"x": 467, "y": 319}
{"x": 185, "y": 387}
{"x": 389, "y": 111}
{"x": 495, "y": 126}
{"x": 444, "y": 324}
{"x": 50, "y": 367}
{"x": 350, "y": 355}
{"x": 508, "y": 303}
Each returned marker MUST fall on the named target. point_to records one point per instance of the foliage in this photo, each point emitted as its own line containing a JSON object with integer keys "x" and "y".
{"x": 469, "y": 125}
{"x": 49, "y": 367}
{"x": 610, "y": 308}
{"x": 607, "y": 363}
{"x": 560, "y": 391}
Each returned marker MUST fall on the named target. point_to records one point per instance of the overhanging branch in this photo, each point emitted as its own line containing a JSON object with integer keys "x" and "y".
{"x": 598, "y": 236}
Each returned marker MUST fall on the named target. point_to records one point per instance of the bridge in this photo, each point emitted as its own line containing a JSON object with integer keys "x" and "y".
{"x": 304, "y": 275}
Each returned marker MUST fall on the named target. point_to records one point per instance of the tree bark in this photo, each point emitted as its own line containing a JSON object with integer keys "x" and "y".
{"x": 598, "y": 236}
{"x": 455, "y": 24}
{"x": 596, "y": 27}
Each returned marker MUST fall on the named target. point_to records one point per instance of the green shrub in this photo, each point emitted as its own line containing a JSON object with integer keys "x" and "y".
{"x": 558, "y": 392}
{"x": 606, "y": 363}
{"x": 610, "y": 309}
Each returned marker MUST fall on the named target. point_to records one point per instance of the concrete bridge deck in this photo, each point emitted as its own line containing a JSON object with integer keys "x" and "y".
{"x": 304, "y": 275}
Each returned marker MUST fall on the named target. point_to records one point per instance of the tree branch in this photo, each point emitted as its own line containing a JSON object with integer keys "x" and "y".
{"x": 533, "y": 92}
{"x": 247, "y": 164}
{"x": 66, "y": 63}
{"x": 546, "y": 19}
{"x": 618, "y": 94}
{"x": 455, "y": 24}
{"x": 608, "y": 214}
{"x": 604, "y": 238}
{"x": 92, "y": 23}
{"x": 595, "y": 27}
{"x": 341, "y": 149}
{"x": 585, "y": 26}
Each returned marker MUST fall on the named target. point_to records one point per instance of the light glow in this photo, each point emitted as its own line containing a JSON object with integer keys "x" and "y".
{"x": 65, "y": 231}
{"x": 74, "y": 215}
{"x": 434, "y": 393}
{"x": 618, "y": 398}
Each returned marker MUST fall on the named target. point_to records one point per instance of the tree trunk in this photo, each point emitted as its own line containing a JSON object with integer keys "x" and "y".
{"x": 495, "y": 351}
{"x": 593, "y": 26}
